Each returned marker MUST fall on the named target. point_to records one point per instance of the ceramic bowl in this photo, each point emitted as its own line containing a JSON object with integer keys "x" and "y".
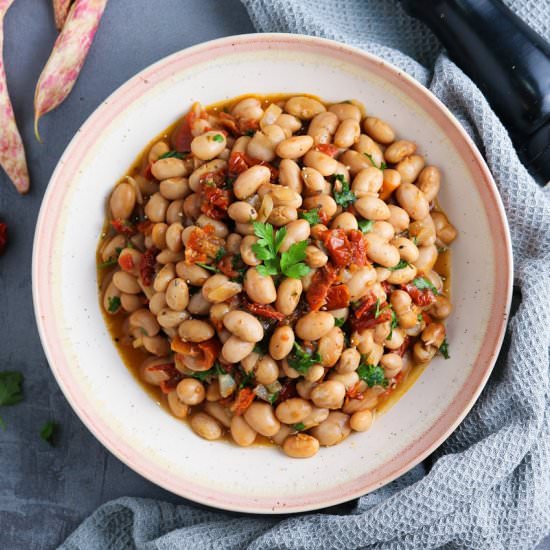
{"x": 103, "y": 392}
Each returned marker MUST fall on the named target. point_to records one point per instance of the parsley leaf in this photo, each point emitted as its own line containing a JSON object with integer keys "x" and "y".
{"x": 372, "y": 375}
{"x": 11, "y": 392}
{"x": 108, "y": 263}
{"x": 218, "y": 138}
{"x": 339, "y": 322}
{"x": 273, "y": 397}
{"x": 382, "y": 166}
{"x": 444, "y": 349}
{"x": 212, "y": 268}
{"x": 366, "y": 225}
{"x": 301, "y": 360}
{"x": 114, "y": 304}
{"x": 299, "y": 427}
{"x": 420, "y": 317}
{"x": 48, "y": 431}
{"x": 422, "y": 283}
{"x": 378, "y": 311}
{"x": 311, "y": 216}
{"x": 346, "y": 196}
{"x": 290, "y": 262}
{"x": 171, "y": 154}
{"x": 401, "y": 265}
{"x": 393, "y": 324}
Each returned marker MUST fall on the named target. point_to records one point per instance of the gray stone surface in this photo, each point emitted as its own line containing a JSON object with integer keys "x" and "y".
{"x": 45, "y": 492}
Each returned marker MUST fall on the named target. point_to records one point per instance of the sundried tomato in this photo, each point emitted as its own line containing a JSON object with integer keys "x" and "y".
{"x": 215, "y": 201}
{"x": 202, "y": 244}
{"x": 229, "y": 122}
{"x": 403, "y": 347}
{"x": 244, "y": 399}
{"x": 353, "y": 391}
{"x": 247, "y": 125}
{"x": 124, "y": 227}
{"x": 3, "y": 237}
{"x": 365, "y": 315}
{"x": 366, "y": 304}
{"x": 126, "y": 262}
{"x": 316, "y": 294}
{"x": 337, "y": 297}
{"x": 147, "y": 265}
{"x": 183, "y": 137}
{"x": 174, "y": 376}
{"x": 358, "y": 247}
{"x": 226, "y": 266}
{"x": 264, "y": 310}
{"x": 338, "y": 246}
{"x": 327, "y": 149}
{"x": 145, "y": 227}
{"x": 203, "y": 353}
{"x": 420, "y": 297}
{"x": 239, "y": 162}
{"x": 287, "y": 391}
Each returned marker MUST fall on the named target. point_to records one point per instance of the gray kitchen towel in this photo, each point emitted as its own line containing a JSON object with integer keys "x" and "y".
{"x": 488, "y": 486}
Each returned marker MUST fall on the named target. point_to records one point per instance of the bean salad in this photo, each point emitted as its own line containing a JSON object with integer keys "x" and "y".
{"x": 274, "y": 268}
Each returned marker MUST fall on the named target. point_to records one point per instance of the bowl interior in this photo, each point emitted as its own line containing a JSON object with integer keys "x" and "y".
{"x": 104, "y": 393}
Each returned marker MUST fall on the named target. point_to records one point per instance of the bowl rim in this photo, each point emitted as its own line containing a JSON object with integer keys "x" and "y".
{"x": 455, "y": 412}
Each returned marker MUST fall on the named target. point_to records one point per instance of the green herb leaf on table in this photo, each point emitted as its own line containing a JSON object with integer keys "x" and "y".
{"x": 301, "y": 360}
{"x": 11, "y": 391}
{"x": 422, "y": 283}
{"x": 114, "y": 304}
{"x": 346, "y": 197}
{"x": 48, "y": 431}
{"x": 401, "y": 265}
{"x": 299, "y": 427}
{"x": 366, "y": 225}
{"x": 171, "y": 154}
{"x": 373, "y": 375}
{"x": 311, "y": 216}
{"x": 444, "y": 349}
{"x": 382, "y": 166}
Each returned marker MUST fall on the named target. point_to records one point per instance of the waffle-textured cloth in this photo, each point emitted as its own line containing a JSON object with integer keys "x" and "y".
{"x": 489, "y": 484}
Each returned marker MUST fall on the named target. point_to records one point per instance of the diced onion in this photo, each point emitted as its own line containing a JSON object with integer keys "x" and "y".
{"x": 227, "y": 384}
{"x": 271, "y": 114}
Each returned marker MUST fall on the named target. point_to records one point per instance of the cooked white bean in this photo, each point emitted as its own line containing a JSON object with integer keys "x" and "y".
{"x": 260, "y": 288}
{"x": 379, "y": 130}
{"x": 314, "y": 325}
{"x": 296, "y": 231}
{"x": 331, "y": 346}
{"x": 304, "y": 107}
{"x": 126, "y": 283}
{"x": 398, "y": 150}
{"x": 360, "y": 281}
{"x": 193, "y": 274}
{"x": 322, "y": 127}
{"x": 156, "y": 207}
{"x": 333, "y": 430}
{"x": 174, "y": 188}
{"x": 208, "y": 145}
{"x": 323, "y": 163}
{"x": 260, "y": 417}
{"x": 361, "y": 421}
{"x": 241, "y": 432}
{"x": 349, "y": 361}
{"x": 288, "y": 295}
{"x": 372, "y": 208}
{"x": 293, "y": 410}
{"x": 177, "y": 294}
{"x": 300, "y": 446}
{"x": 242, "y": 212}
{"x": 348, "y": 133}
{"x": 122, "y": 201}
{"x": 166, "y": 168}
{"x": 367, "y": 181}
{"x": 235, "y": 349}
{"x": 244, "y": 325}
{"x": 248, "y": 182}
{"x": 380, "y": 251}
{"x": 329, "y": 394}
{"x": 190, "y": 391}
{"x": 294, "y": 147}
{"x": 346, "y": 110}
{"x": 195, "y": 330}
{"x": 267, "y": 370}
{"x": 206, "y": 426}
{"x": 281, "y": 342}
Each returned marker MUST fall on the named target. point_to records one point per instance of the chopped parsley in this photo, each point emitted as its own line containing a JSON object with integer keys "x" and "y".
{"x": 11, "y": 391}
{"x": 207, "y": 374}
{"x": 250, "y": 133}
{"x": 218, "y": 138}
{"x": 219, "y": 255}
{"x": 401, "y": 265}
{"x": 48, "y": 432}
{"x": 311, "y": 216}
{"x": 382, "y": 166}
{"x": 366, "y": 225}
{"x": 301, "y": 360}
{"x": 377, "y": 310}
{"x": 247, "y": 380}
{"x": 420, "y": 317}
{"x": 114, "y": 304}
{"x": 289, "y": 263}
{"x": 338, "y": 322}
{"x": 171, "y": 154}
{"x": 273, "y": 397}
{"x": 415, "y": 240}
{"x": 108, "y": 263}
{"x": 299, "y": 427}
{"x": 393, "y": 324}
{"x": 346, "y": 197}
{"x": 444, "y": 349}
{"x": 372, "y": 375}
{"x": 422, "y": 283}
{"x": 212, "y": 268}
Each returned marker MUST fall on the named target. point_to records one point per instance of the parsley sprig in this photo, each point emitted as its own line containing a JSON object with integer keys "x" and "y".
{"x": 290, "y": 263}
{"x": 373, "y": 375}
{"x": 345, "y": 197}
{"x": 301, "y": 360}
{"x": 171, "y": 154}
